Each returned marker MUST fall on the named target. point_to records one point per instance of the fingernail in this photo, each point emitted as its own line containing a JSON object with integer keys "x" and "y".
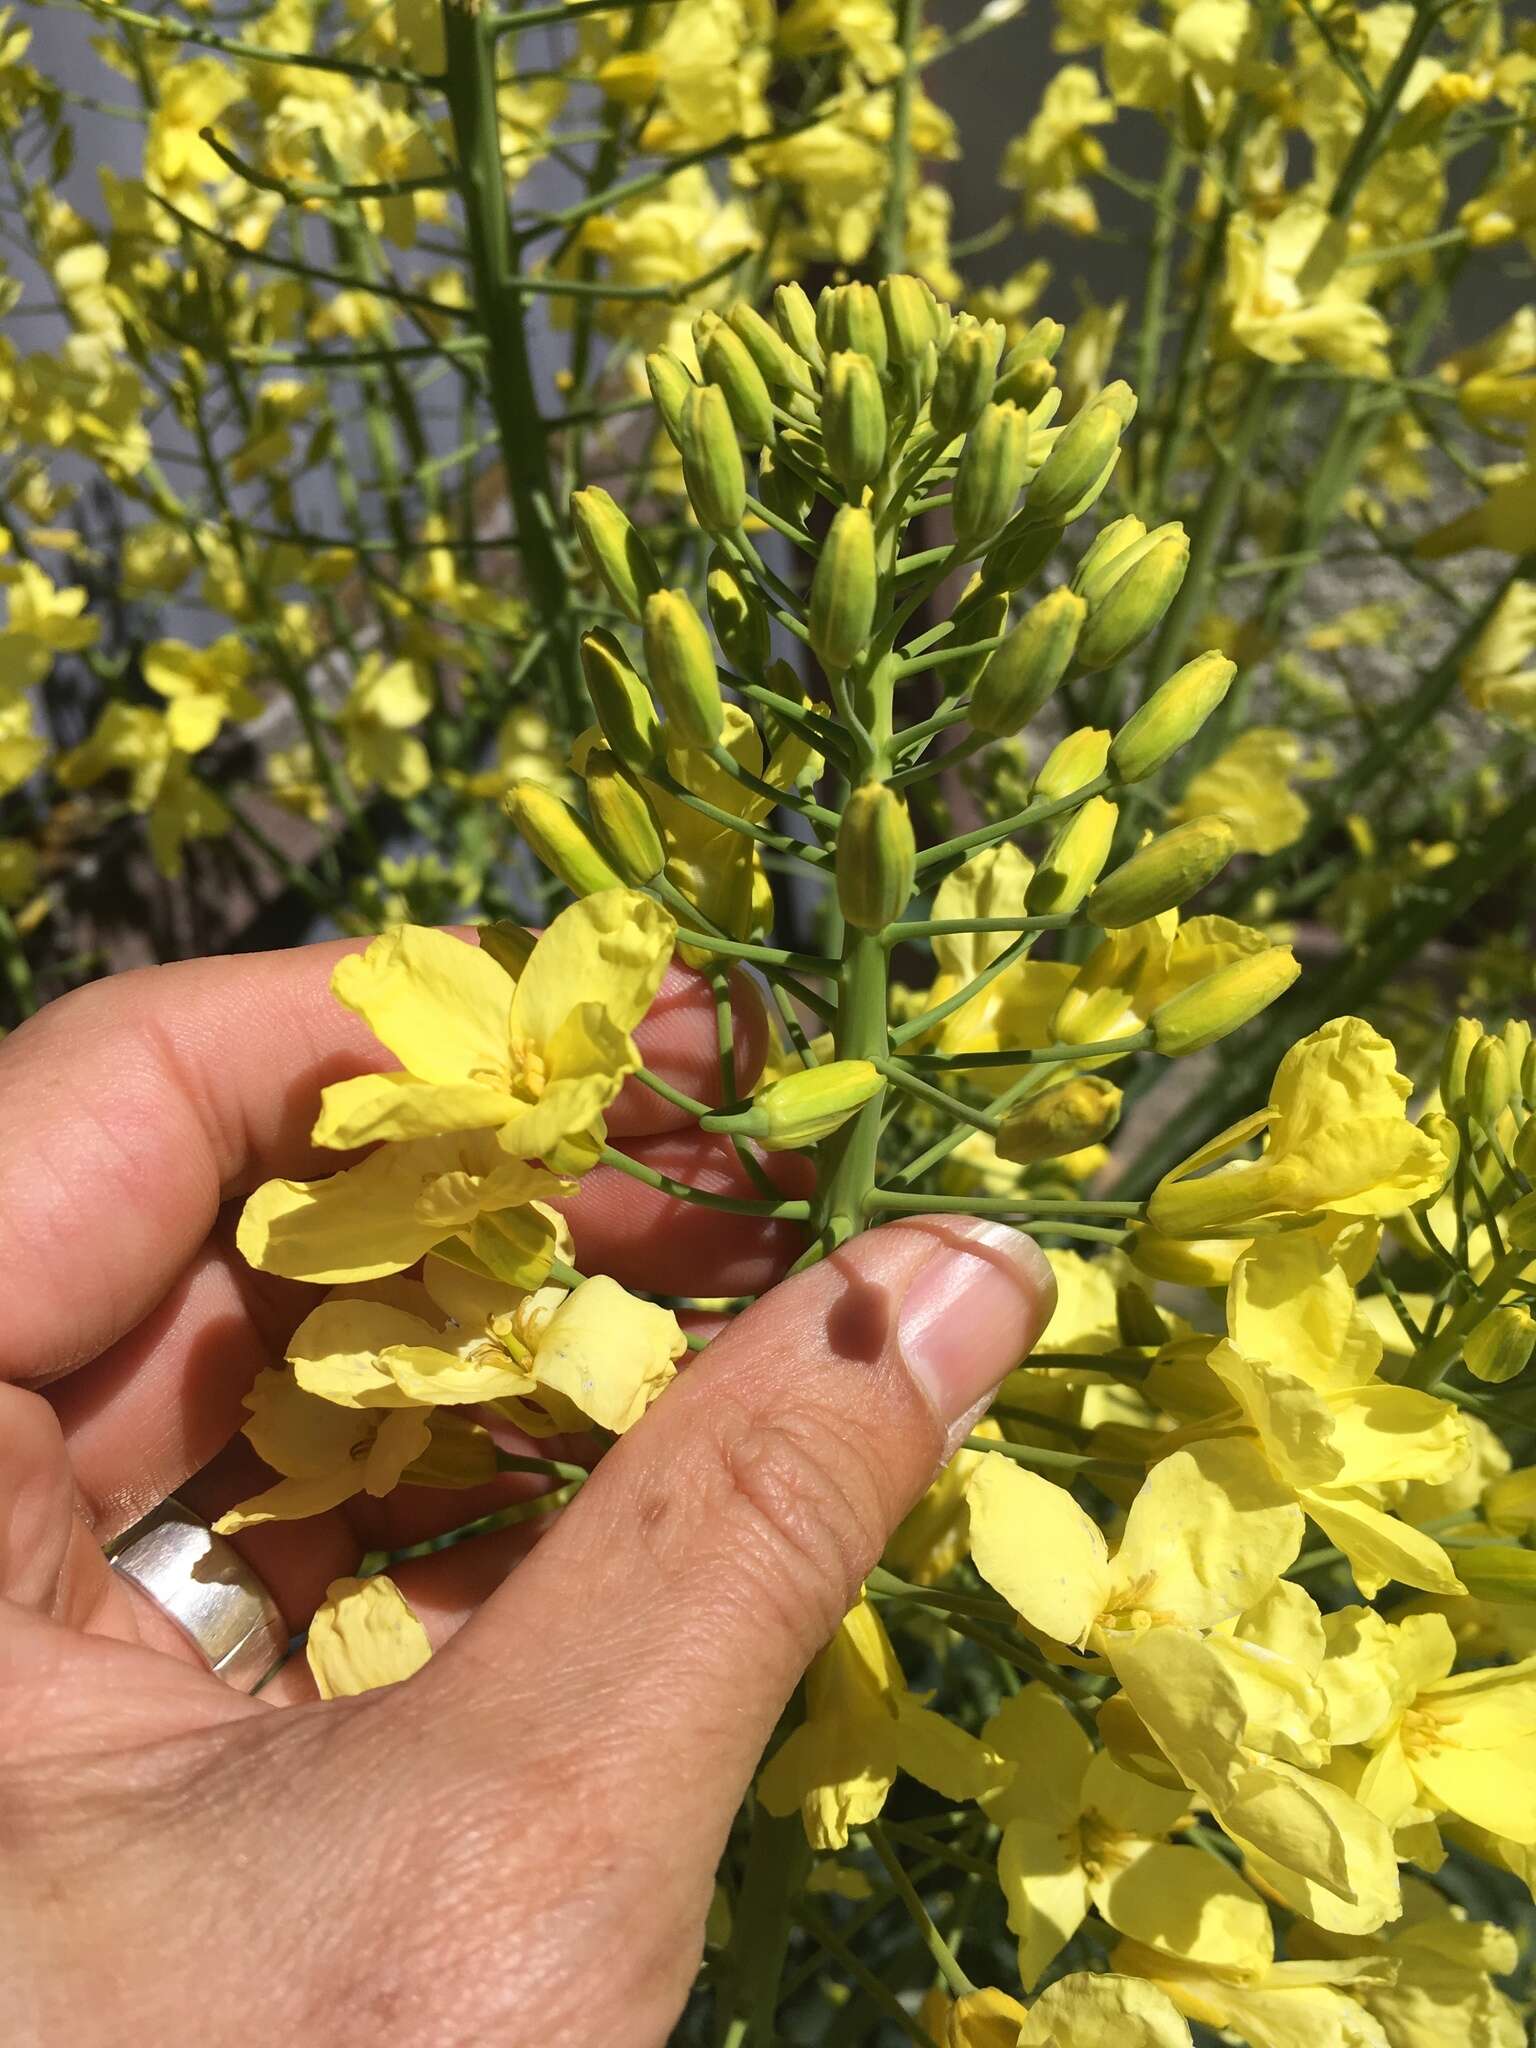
{"x": 972, "y": 1312}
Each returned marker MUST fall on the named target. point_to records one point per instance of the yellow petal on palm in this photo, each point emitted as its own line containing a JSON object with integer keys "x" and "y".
{"x": 1185, "y": 1903}
{"x": 610, "y": 949}
{"x": 440, "y": 1005}
{"x": 608, "y": 1352}
{"x": 301, "y": 1436}
{"x": 291, "y": 1500}
{"x": 1034, "y": 1544}
{"x": 404, "y": 1435}
{"x": 370, "y": 1107}
{"x": 837, "y": 1776}
{"x": 1041, "y": 1874}
{"x": 588, "y": 1059}
{"x": 365, "y": 1634}
{"x": 1379, "y": 1547}
{"x": 356, "y": 1225}
{"x": 1103, "y": 2012}
{"x": 426, "y": 1373}
{"x": 335, "y": 1352}
{"x": 1207, "y": 1535}
{"x": 1038, "y": 1733}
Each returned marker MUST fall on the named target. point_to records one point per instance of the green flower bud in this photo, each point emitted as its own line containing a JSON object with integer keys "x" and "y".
{"x": 1163, "y": 874}
{"x": 1519, "y": 1224}
{"x": 781, "y": 487}
{"x": 670, "y": 385}
{"x": 1502, "y": 1572}
{"x": 1074, "y": 860}
{"x": 1025, "y": 379}
{"x": 1441, "y": 1131}
{"x": 1517, "y": 1044}
{"x": 1171, "y": 716}
{"x": 712, "y": 465}
{"x": 1060, "y": 1120}
{"x": 983, "y": 620}
{"x": 1019, "y": 679}
{"x": 853, "y": 428}
{"x": 797, "y": 322}
{"x": 681, "y": 661}
{"x": 625, "y": 822}
{"x": 967, "y": 371}
{"x": 1524, "y": 1154}
{"x": 848, "y": 316}
{"x": 611, "y": 544}
{"x": 1079, "y": 457}
{"x": 912, "y": 318}
{"x": 1500, "y": 1347}
{"x": 623, "y": 705}
{"x": 1459, "y": 1041}
{"x": 1074, "y": 761}
{"x": 559, "y": 838}
{"x": 781, "y": 366}
{"x": 1488, "y": 1081}
{"x": 1138, "y": 1319}
{"x": 736, "y": 612}
{"x": 876, "y": 857}
{"x": 1019, "y": 551}
{"x": 805, "y": 1107}
{"x": 1106, "y": 555}
{"x": 1135, "y": 602}
{"x": 843, "y": 589}
{"x": 727, "y": 361}
{"x": 1223, "y": 1001}
{"x": 1528, "y": 1074}
{"x": 1043, "y": 339}
{"x": 990, "y": 475}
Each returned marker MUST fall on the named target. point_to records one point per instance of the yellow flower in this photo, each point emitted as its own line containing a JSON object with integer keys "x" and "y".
{"x": 365, "y": 1634}
{"x": 554, "y": 1360}
{"x": 1079, "y": 1831}
{"x": 538, "y": 1060}
{"x": 386, "y": 700}
{"x": 1289, "y": 301}
{"x": 1498, "y": 673}
{"x": 205, "y": 685}
{"x": 1505, "y": 209}
{"x": 665, "y": 239}
{"x": 1050, "y": 160}
{"x": 327, "y": 1454}
{"x": 706, "y": 73}
{"x": 1099, "y": 2011}
{"x": 1250, "y": 784}
{"x": 1285, "y": 2005}
{"x": 192, "y": 93}
{"x": 862, "y": 1726}
{"x": 1339, "y": 1140}
{"x": 131, "y": 739}
{"x": 931, "y": 1540}
{"x": 22, "y": 753}
{"x": 41, "y": 621}
{"x": 1131, "y": 972}
{"x": 1198, "y": 56}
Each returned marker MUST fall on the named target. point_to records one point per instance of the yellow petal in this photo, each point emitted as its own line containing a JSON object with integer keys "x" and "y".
{"x": 373, "y": 1106}
{"x": 1042, "y": 1877}
{"x": 1186, "y": 1903}
{"x": 608, "y": 1352}
{"x": 365, "y": 1634}
{"x": 1038, "y": 1733}
{"x": 1208, "y": 1535}
{"x": 611, "y": 949}
{"x": 440, "y": 1005}
{"x": 335, "y": 1352}
{"x": 1033, "y": 1542}
{"x": 1379, "y": 1547}
{"x": 1103, "y": 2012}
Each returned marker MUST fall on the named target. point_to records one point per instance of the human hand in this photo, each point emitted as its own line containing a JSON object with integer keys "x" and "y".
{"x": 517, "y": 1844}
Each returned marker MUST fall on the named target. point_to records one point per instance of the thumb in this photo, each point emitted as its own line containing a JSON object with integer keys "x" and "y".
{"x": 656, "y": 1633}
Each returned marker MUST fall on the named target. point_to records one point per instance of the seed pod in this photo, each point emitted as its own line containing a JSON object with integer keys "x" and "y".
{"x": 1501, "y": 1345}
{"x": 1223, "y": 1001}
{"x": 1019, "y": 679}
{"x": 853, "y": 428}
{"x": 1488, "y": 1082}
{"x": 1171, "y": 716}
{"x": 1019, "y": 551}
{"x": 612, "y": 545}
{"x": 737, "y": 615}
{"x": 1163, "y": 874}
{"x": 967, "y": 371}
{"x": 844, "y": 589}
{"x": 911, "y": 317}
{"x": 876, "y": 857}
{"x": 625, "y": 822}
{"x": 803, "y": 1107}
{"x": 623, "y": 705}
{"x": 727, "y": 361}
{"x": 1459, "y": 1041}
{"x": 1072, "y": 763}
{"x": 781, "y": 366}
{"x": 670, "y": 385}
{"x": 797, "y": 322}
{"x": 712, "y": 465}
{"x": 1081, "y": 452}
{"x": 681, "y": 662}
{"x": 848, "y": 316}
{"x": 559, "y": 838}
{"x": 1106, "y": 555}
{"x": 1135, "y": 603}
{"x": 1074, "y": 860}
{"x": 984, "y": 620}
{"x": 990, "y": 475}
{"x": 1060, "y": 1120}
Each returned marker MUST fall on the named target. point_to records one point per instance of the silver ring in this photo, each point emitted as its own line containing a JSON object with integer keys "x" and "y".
{"x": 202, "y": 1583}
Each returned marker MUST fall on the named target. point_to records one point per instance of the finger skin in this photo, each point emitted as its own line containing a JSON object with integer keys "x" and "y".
{"x": 130, "y": 1109}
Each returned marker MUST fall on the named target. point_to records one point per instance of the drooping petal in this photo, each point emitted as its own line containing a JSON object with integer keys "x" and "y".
{"x": 364, "y": 1635}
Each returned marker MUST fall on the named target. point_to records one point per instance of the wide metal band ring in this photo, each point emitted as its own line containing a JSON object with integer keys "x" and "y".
{"x": 201, "y": 1582}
